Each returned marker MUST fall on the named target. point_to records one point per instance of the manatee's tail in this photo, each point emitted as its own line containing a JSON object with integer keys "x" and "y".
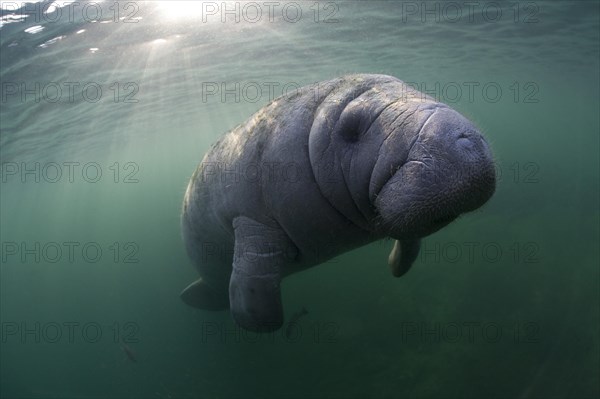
{"x": 202, "y": 295}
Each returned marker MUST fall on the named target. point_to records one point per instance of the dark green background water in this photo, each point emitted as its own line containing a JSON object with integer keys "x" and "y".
{"x": 503, "y": 303}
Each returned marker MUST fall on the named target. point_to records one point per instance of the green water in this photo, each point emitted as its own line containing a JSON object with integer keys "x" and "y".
{"x": 502, "y": 303}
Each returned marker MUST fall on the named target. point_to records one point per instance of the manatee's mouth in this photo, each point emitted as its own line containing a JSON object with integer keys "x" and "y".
{"x": 443, "y": 221}
{"x": 419, "y": 226}
{"x": 414, "y": 216}
{"x": 391, "y": 177}
{"x": 440, "y": 222}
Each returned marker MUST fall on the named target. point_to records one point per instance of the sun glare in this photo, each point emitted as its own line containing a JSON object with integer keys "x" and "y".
{"x": 183, "y": 9}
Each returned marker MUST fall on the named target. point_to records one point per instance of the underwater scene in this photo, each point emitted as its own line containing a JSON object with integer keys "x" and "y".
{"x": 406, "y": 206}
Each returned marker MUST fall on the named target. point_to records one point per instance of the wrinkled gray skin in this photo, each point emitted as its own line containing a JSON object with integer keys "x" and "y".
{"x": 338, "y": 165}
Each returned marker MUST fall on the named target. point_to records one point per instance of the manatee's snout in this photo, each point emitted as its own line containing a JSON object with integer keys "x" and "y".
{"x": 449, "y": 171}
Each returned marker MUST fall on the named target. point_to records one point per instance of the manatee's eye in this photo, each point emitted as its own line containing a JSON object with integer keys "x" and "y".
{"x": 349, "y": 127}
{"x": 351, "y": 134}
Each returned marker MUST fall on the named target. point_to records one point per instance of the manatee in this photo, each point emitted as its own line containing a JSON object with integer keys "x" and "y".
{"x": 335, "y": 166}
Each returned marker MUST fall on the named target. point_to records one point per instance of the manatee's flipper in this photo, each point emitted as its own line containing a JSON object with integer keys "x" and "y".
{"x": 202, "y": 295}
{"x": 254, "y": 289}
{"x": 403, "y": 255}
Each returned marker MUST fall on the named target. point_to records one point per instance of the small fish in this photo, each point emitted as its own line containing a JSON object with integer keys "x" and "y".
{"x": 128, "y": 351}
{"x": 293, "y": 320}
